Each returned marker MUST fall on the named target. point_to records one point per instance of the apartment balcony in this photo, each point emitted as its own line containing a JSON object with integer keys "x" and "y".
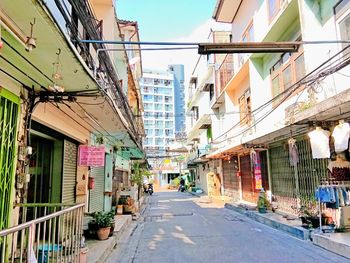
{"x": 206, "y": 81}
{"x": 203, "y": 121}
{"x": 285, "y": 14}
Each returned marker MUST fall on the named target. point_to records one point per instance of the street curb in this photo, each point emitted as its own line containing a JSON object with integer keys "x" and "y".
{"x": 113, "y": 241}
{"x": 195, "y": 194}
{"x": 297, "y": 232}
{"x": 119, "y": 234}
{"x": 336, "y": 247}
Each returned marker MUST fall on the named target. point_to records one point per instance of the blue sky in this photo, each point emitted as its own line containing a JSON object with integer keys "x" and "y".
{"x": 161, "y": 20}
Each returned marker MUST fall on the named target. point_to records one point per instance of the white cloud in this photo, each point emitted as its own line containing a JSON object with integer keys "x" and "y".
{"x": 161, "y": 59}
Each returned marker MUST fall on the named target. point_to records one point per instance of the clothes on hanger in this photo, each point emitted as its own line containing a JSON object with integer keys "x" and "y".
{"x": 339, "y": 169}
{"x": 319, "y": 140}
{"x": 293, "y": 152}
{"x": 341, "y": 134}
{"x": 333, "y": 196}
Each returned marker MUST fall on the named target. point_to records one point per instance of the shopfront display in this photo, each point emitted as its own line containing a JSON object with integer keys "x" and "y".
{"x": 319, "y": 140}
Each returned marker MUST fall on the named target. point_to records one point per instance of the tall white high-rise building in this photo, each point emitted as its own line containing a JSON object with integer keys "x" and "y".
{"x": 157, "y": 89}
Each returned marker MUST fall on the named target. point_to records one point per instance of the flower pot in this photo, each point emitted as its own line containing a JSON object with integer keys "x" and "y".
{"x": 103, "y": 233}
{"x": 262, "y": 210}
{"x": 119, "y": 209}
{"x": 111, "y": 232}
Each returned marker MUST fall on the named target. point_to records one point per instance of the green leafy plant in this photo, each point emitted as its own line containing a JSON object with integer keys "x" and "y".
{"x": 103, "y": 219}
{"x": 262, "y": 201}
{"x": 308, "y": 207}
{"x": 100, "y": 140}
{"x": 123, "y": 200}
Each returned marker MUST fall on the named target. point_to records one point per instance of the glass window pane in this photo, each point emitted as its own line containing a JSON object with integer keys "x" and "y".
{"x": 276, "y": 86}
{"x": 273, "y": 8}
{"x": 299, "y": 67}
{"x": 287, "y": 77}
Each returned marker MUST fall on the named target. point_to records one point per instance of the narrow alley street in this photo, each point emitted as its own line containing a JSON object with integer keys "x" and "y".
{"x": 179, "y": 227}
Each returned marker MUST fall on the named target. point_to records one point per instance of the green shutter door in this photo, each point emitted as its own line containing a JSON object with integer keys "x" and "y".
{"x": 8, "y": 135}
{"x": 97, "y": 194}
{"x": 69, "y": 172}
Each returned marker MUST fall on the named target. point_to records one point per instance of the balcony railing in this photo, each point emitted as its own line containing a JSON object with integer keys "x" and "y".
{"x": 52, "y": 234}
{"x": 224, "y": 74}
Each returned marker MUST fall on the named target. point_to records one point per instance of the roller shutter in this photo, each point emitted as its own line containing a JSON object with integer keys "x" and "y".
{"x": 96, "y": 203}
{"x": 69, "y": 172}
{"x": 231, "y": 183}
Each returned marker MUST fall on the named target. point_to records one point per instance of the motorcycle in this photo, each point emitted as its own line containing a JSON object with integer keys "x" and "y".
{"x": 148, "y": 189}
{"x": 182, "y": 188}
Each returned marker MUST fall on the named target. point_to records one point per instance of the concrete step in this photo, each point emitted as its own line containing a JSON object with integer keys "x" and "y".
{"x": 338, "y": 243}
{"x": 273, "y": 220}
{"x": 99, "y": 250}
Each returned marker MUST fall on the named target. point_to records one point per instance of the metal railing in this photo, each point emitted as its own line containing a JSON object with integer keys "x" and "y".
{"x": 53, "y": 235}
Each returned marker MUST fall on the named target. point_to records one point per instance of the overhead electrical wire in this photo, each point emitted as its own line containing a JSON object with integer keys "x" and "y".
{"x": 292, "y": 89}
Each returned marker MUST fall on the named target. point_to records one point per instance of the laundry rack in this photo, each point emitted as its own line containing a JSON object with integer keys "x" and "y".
{"x": 338, "y": 184}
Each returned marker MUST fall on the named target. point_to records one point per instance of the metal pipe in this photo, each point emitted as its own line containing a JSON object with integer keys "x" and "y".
{"x": 115, "y": 42}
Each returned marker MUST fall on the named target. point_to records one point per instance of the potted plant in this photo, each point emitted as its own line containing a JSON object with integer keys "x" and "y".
{"x": 121, "y": 202}
{"x": 111, "y": 214}
{"x": 308, "y": 213}
{"x": 103, "y": 222}
{"x": 263, "y": 204}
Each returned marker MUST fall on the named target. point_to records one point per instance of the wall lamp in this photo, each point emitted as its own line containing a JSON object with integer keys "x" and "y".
{"x": 30, "y": 42}
{"x": 247, "y": 47}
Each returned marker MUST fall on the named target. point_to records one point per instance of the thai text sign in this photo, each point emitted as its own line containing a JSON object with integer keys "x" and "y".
{"x": 91, "y": 156}
{"x": 257, "y": 172}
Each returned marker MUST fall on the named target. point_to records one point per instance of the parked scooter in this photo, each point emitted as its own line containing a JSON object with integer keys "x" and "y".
{"x": 148, "y": 188}
{"x": 182, "y": 188}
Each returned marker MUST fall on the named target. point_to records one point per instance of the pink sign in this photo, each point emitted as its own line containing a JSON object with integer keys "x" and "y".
{"x": 91, "y": 156}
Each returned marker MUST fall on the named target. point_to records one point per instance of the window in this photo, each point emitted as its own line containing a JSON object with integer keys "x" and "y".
{"x": 247, "y": 36}
{"x": 245, "y": 108}
{"x": 344, "y": 28}
{"x": 289, "y": 69}
{"x": 195, "y": 112}
{"x": 168, "y": 107}
{"x": 211, "y": 92}
{"x": 158, "y": 106}
{"x": 158, "y": 98}
{"x": 274, "y": 7}
{"x": 168, "y": 99}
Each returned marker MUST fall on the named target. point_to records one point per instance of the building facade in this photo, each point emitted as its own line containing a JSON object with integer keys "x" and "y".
{"x": 157, "y": 91}
{"x": 179, "y": 97}
{"x": 58, "y": 96}
{"x": 262, "y": 102}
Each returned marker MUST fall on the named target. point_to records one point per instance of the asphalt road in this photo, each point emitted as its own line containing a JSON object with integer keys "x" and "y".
{"x": 178, "y": 227}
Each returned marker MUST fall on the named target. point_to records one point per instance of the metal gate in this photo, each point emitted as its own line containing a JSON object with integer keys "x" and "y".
{"x": 288, "y": 183}
{"x": 69, "y": 172}
{"x": 9, "y": 109}
{"x": 96, "y": 203}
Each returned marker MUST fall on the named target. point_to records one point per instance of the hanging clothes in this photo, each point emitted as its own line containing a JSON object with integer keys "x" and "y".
{"x": 319, "y": 140}
{"x": 341, "y": 134}
{"x": 339, "y": 169}
{"x": 293, "y": 152}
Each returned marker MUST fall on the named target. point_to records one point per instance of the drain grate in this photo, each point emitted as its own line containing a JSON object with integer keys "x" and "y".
{"x": 233, "y": 218}
{"x": 153, "y": 217}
